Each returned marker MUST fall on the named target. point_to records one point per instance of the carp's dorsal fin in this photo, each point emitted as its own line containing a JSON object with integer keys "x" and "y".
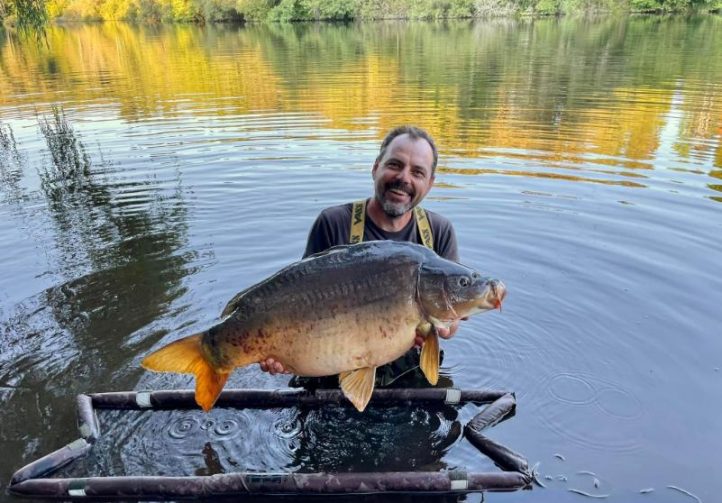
{"x": 358, "y": 385}
{"x": 233, "y": 303}
{"x": 430, "y": 357}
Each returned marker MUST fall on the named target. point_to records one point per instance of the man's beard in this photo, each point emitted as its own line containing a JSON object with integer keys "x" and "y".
{"x": 392, "y": 209}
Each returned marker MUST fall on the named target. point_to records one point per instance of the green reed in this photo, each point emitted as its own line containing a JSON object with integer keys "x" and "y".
{"x": 71, "y": 164}
{"x": 7, "y": 139}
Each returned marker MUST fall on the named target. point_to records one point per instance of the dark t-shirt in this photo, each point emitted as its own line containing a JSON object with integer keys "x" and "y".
{"x": 333, "y": 227}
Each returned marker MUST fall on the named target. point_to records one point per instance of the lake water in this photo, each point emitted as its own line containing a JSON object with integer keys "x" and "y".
{"x": 580, "y": 161}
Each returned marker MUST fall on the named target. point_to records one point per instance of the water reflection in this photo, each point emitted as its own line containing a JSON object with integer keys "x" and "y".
{"x": 717, "y": 174}
{"x": 321, "y": 439}
{"x": 581, "y": 160}
{"x": 120, "y": 266}
{"x": 556, "y": 90}
{"x": 400, "y": 438}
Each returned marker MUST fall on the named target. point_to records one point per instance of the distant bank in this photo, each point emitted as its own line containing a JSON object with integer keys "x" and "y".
{"x": 19, "y": 12}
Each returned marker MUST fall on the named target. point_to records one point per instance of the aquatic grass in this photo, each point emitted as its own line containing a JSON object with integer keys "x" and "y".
{"x": 11, "y": 165}
{"x": 71, "y": 164}
{"x": 11, "y": 160}
{"x": 8, "y": 145}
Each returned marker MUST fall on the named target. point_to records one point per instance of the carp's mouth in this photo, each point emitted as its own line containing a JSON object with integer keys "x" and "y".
{"x": 491, "y": 298}
{"x": 498, "y": 292}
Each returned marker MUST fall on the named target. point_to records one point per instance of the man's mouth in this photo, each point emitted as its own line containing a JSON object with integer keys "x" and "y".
{"x": 399, "y": 192}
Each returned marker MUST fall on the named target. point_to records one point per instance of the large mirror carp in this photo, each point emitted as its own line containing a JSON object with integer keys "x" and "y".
{"x": 345, "y": 311}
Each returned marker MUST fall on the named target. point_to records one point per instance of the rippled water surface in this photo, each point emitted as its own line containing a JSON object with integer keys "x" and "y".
{"x": 581, "y": 162}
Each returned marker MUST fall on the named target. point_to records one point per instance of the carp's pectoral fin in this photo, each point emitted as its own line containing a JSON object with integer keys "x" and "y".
{"x": 358, "y": 385}
{"x": 430, "y": 357}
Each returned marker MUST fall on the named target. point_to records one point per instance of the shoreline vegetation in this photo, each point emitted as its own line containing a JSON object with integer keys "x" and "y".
{"x": 35, "y": 14}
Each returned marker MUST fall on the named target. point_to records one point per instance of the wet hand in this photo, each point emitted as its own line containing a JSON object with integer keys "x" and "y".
{"x": 444, "y": 332}
{"x": 272, "y": 366}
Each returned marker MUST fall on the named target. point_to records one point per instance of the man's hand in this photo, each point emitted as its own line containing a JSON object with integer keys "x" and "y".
{"x": 444, "y": 333}
{"x": 273, "y": 367}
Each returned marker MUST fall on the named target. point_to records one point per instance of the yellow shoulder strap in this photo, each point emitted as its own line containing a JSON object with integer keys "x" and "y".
{"x": 358, "y": 219}
{"x": 422, "y": 223}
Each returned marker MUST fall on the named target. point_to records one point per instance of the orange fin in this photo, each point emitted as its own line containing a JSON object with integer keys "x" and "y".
{"x": 209, "y": 384}
{"x": 358, "y": 385}
{"x": 180, "y": 356}
{"x": 430, "y": 357}
{"x": 185, "y": 356}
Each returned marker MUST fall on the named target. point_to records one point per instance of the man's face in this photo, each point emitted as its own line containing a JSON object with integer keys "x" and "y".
{"x": 403, "y": 176}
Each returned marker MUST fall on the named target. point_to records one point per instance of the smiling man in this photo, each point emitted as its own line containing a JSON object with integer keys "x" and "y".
{"x": 403, "y": 174}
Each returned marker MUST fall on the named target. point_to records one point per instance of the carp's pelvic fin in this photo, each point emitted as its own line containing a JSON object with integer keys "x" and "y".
{"x": 358, "y": 385}
{"x": 185, "y": 356}
{"x": 430, "y": 357}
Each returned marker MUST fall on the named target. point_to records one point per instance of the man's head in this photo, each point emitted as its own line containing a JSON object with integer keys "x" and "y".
{"x": 404, "y": 169}
{"x": 416, "y": 134}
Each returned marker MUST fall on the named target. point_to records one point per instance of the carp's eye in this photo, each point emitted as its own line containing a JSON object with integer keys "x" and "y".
{"x": 464, "y": 281}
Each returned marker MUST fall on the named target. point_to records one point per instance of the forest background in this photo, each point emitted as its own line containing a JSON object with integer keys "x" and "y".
{"x": 25, "y": 13}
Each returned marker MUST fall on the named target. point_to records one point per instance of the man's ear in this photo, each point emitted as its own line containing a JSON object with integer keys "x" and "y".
{"x": 376, "y": 167}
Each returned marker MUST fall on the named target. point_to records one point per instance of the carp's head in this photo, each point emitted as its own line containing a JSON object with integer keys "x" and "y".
{"x": 449, "y": 291}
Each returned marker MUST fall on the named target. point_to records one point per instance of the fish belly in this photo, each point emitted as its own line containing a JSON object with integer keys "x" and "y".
{"x": 366, "y": 337}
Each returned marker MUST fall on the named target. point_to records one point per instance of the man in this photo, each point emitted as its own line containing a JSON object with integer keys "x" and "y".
{"x": 403, "y": 173}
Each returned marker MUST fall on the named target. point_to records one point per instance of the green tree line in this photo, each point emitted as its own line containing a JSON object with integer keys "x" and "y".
{"x": 29, "y": 13}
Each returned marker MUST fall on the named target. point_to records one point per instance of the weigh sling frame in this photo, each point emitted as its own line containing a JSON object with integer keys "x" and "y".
{"x": 33, "y": 480}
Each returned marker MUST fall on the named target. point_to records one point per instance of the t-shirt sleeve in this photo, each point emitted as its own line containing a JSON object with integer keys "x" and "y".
{"x": 445, "y": 237}
{"x": 319, "y": 237}
{"x": 331, "y": 228}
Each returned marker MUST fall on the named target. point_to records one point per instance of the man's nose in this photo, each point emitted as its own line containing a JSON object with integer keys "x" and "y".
{"x": 404, "y": 174}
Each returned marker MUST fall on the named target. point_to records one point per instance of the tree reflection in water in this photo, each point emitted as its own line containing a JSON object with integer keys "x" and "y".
{"x": 120, "y": 266}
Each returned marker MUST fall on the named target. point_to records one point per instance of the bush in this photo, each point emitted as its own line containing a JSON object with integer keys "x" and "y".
{"x": 288, "y": 10}
{"x": 217, "y": 10}
{"x": 34, "y": 13}
{"x": 255, "y": 10}
{"x": 331, "y": 9}
{"x": 547, "y": 7}
{"x": 26, "y": 15}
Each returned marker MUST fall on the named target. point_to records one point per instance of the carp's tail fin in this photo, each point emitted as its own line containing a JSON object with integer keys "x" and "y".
{"x": 186, "y": 356}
